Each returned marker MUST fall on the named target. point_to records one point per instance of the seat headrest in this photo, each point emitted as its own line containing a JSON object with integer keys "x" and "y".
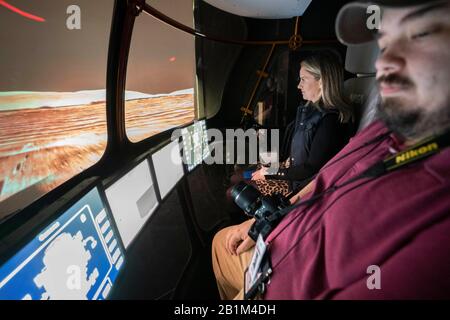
{"x": 360, "y": 58}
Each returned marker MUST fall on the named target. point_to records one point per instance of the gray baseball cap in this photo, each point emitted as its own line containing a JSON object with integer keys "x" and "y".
{"x": 351, "y": 21}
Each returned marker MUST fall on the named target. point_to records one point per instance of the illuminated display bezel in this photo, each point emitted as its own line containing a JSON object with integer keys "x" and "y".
{"x": 153, "y": 169}
{"x": 119, "y": 175}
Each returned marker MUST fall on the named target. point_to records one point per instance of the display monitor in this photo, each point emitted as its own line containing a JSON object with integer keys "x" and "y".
{"x": 205, "y": 144}
{"x": 132, "y": 199}
{"x": 168, "y": 167}
{"x": 77, "y": 256}
{"x": 195, "y": 144}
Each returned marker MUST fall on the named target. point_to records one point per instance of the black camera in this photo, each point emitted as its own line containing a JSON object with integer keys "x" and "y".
{"x": 264, "y": 209}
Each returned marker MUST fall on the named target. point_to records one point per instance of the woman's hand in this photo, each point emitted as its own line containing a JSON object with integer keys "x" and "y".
{"x": 238, "y": 240}
{"x": 259, "y": 174}
{"x": 302, "y": 193}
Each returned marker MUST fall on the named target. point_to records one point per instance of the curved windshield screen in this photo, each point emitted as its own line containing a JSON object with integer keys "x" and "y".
{"x": 52, "y": 94}
{"x": 161, "y": 72}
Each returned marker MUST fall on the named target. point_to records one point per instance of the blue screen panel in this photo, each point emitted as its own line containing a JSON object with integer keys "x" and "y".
{"x": 76, "y": 257}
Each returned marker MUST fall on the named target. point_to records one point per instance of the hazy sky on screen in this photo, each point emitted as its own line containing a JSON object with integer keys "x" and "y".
{"x": 168, "y": 53}
{"x": 46, "y": 56}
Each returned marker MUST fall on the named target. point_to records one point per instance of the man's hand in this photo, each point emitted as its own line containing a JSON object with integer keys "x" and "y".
{"x": 237, "y": 239}
{"x": 259, "y": 174}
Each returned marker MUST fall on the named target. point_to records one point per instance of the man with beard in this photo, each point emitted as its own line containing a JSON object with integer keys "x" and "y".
{"x": 375, "y": 222}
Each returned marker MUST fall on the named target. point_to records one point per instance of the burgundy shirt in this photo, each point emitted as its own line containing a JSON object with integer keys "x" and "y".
{"x": 399, "y": 222}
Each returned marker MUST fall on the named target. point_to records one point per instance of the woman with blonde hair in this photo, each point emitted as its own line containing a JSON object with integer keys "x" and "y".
{"x": 322, "y": 126}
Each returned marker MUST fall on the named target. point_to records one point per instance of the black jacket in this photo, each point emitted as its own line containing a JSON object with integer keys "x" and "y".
{"x": 317, "y": 137}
